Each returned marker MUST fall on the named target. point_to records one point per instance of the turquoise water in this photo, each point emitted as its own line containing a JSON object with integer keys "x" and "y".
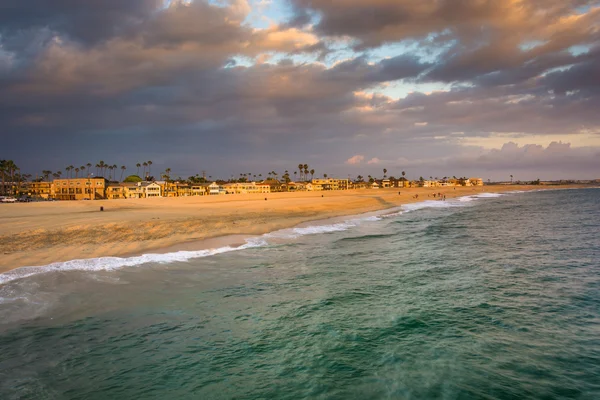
{"x": 476, "y": 298}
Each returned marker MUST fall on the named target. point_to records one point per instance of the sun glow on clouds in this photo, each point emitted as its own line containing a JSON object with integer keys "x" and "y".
{"x": 496, "y": 140}
{"x": 293, "y": 74}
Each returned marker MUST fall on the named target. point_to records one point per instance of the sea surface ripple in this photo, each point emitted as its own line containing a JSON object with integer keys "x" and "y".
{"x": 484, "y": 297}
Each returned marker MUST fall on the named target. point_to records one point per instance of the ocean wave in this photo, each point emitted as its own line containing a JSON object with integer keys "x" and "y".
{"x": 429, "y": 204}
{"x": 487, "y": 195}
{"x": 114, "y": 263}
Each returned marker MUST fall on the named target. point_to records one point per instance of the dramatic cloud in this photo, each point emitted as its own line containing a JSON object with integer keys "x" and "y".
{"x": 196, "y": 85}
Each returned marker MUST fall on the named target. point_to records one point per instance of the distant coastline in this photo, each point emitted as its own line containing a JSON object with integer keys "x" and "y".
{"x": 39, "y": 234}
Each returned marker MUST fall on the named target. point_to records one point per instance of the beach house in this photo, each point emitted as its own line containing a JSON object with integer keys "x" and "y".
{"x": 246, "y": 188}
{"x": 331, "y": 183}
{"x": 79, "y": 188}
{"x": 41, "y": 190}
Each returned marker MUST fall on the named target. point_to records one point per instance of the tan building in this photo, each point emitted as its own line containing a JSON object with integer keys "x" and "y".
{"x": 79, "y": 189}
{"x": 430, "y": 183}
{"x": 115, "y": 191}
{"x": 141, "y": 190}
{"x": 40, "y": 190}
{"x": 274, "y": 185}
{"x": 247, "y": 188}
{"x": 198, "y": 190}
{"x": 476, "y": 181}
{"x": 331, "y": 183}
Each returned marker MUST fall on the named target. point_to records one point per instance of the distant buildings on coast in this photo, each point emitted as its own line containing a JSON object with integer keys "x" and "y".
{"x": 94, "y": 188}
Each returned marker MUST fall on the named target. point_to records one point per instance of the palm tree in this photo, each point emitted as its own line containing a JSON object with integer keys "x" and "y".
{"x": 82, "y": 168}
{"x": 300, "y": 168}
{"x": 123, "y": 168}
{"x": 138, "y": 165}
{"x": 89, "y": 165}
{"x": 312, "y": 173}
{"x": 102, "y": 167}
{"x": 46, "y": 173}
{"x": 76, "y": 173}
{"x": 3, "y": 171}
{"x": 149, "y": 165}
{"x": 384, "y": 172}
{"x": 145, "y": 164}
{"x": 167, "y": 176}
{"x": 325, "y": 176}
{"x": 511, "y": 179}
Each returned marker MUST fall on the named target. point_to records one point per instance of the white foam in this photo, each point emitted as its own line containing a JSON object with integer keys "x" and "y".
{"x": 487, "y": 195}
{"x": 390, "y": 215}
{"x": 295, "y": 233}
{"x": 429, "y": 204}
{"x": 114, "y": 263}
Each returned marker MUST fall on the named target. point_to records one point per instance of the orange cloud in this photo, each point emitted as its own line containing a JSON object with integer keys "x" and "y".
{"x": 357, "y": 159}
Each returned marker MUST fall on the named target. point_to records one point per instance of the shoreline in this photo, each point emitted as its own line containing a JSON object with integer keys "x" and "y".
{"x": 134, "y": 228}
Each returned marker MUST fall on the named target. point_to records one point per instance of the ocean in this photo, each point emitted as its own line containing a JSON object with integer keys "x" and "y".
{"x": 482, "y": 297}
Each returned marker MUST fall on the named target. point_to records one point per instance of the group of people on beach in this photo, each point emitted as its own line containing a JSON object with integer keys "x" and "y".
{"x": 441, "y": 196}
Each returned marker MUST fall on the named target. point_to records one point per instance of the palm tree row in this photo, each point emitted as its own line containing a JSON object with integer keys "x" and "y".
{"x": 102, "y": 169}
{"x": 11, "y": 177}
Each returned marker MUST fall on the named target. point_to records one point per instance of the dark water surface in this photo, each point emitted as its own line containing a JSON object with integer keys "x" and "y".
{"x": 477, "y": 298}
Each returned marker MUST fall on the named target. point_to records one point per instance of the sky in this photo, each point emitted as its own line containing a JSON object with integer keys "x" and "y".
{"x": 481, "y": 88}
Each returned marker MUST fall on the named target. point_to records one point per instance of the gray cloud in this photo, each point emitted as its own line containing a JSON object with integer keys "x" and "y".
{"x": 143, "y": 82}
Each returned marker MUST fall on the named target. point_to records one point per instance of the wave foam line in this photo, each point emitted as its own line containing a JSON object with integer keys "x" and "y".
{"x": 114, "y": 263}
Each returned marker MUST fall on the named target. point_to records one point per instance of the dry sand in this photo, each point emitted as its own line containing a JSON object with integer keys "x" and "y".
{"x": 33, "y": 234}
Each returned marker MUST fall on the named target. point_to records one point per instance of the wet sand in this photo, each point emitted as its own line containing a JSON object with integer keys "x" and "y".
{"x": 35, "y": 234}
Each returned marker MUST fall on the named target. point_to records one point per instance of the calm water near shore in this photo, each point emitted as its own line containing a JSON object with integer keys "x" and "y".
{"x": 484, "y": 297}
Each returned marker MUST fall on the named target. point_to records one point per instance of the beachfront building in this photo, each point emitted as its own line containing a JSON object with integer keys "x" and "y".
{"x": 152, "y": 189}
{"x": 197, "y": 190}
{"x": 358, "y": 185}
{"x": 213, "y": 189}
{"x": 40, "y": 190}
{"x": 385, "y": 183}
{"x": 115, "y": 191}
{"x": 475, "y": 181}
{"x": 247, "y": 188}
{"x": 374, "y": 185}
{"x": 141, "y": 190}
{"x": 79, "y": 188}
{"x": 430, "y": 183}
{"x": 274, "y": 185}
{"x": 184, "y": 190}
{"x": 331, "y": 183}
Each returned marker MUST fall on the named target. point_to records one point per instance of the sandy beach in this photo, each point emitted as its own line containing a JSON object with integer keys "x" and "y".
{"x": 35, "y": 234}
